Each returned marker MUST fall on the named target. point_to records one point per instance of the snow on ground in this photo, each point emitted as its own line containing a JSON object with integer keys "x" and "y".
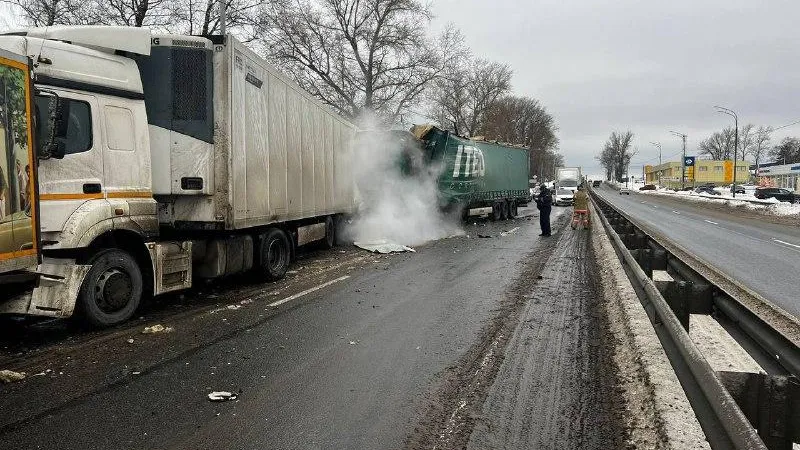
{"x": 746, "y": 200}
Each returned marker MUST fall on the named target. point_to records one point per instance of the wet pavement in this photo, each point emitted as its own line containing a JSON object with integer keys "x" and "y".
{"x": 367, "y": 351}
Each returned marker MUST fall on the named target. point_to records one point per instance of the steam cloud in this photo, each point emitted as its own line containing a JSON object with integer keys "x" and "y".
{"x": 394, "y": 207}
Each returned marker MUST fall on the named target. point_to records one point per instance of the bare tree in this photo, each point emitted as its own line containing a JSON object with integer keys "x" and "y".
{"x": 203, "y": 16}
{"x": 617, "y": 154}
{"x": 355, "y": 55}
{"x": 465, "y": 92}
{"x": 130, "y": 13}
{"x": 747, "y": 136}
{"x": 760, "y": 146}
{"x": 523, "y": 120}
{"x": 42, "y": 13}
{"x": 719, "y": 145}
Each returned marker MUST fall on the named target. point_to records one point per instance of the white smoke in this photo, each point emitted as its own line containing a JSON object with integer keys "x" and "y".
{"x": 394, "y": 207}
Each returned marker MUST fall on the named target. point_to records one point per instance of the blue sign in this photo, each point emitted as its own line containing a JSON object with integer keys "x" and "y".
{"x": 688, "y": 161}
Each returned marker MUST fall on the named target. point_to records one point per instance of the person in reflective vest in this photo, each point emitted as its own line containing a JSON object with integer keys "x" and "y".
{"x": 580, "y": 208}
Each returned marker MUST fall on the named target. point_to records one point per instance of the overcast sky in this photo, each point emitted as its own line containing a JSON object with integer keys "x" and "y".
{"x": 645, "y": 66}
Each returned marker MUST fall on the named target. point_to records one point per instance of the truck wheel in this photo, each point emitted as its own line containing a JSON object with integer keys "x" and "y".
{"x": 512, "y": 210}
{"x": 330, "y": 233}
{"x": 497, "y": 212}
{"x": 112, "y": 289}
{"x": 274, "y": 254}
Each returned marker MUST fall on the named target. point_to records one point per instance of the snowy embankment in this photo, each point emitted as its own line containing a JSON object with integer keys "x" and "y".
{"x": 747, "y": 200}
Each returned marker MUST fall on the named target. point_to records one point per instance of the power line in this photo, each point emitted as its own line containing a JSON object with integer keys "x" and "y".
{"x": 785, "y": 126}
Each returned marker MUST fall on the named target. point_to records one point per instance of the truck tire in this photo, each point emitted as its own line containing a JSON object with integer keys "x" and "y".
{"x": 504, "y": 210}
{"x": 274, "y": 254}
{"x": 330, "y": 233}
{"x": 112, "y": 289}
{"x": 512, "y": 209}
{"x": 497, "y": 212}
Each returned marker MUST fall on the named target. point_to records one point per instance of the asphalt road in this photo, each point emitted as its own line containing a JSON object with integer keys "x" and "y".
{"x": 366, "y": 352}
{"x": 761, "y": 255}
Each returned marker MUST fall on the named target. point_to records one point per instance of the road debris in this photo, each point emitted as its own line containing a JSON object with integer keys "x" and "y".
{"x": 130, "y": 341}
{"x": 156, "y": 329}
{"x": 353, "y": 342}
{"x": 484, "y": 236}
{"x": 383, "y": 246}
{"x": 9, "y": 376}
{"x": 222, "y": 396}
{"x": 506, "y": 233}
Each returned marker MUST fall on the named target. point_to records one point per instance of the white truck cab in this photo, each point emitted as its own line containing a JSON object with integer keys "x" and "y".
{"x": 169, "y": 156}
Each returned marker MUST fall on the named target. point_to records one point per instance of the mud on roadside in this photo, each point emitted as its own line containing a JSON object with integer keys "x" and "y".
{"x": 488, "y": 399}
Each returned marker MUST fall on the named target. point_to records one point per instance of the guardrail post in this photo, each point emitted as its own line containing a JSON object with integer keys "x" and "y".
{"x": 770, "y": 404}
{"x": 678, "y": 296}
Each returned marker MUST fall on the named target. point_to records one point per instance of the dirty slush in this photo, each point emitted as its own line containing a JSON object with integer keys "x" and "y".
{"x": 535, "y": 377}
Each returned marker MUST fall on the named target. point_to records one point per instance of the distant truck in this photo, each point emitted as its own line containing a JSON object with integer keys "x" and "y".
{"x": 476, "y": 173}
{"x": 568, "y": 178}
{"x": 160, "y": 159}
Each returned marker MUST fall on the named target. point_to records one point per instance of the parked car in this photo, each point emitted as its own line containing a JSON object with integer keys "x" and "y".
{"x": 563, "y": 197}
{"x": 624, "y": 190}
{"x": 596, "y": 183}
{"x": 706, "y": 190}
{"x": 648, "y": 187}
{"x": 781, "y": 194}
{"x": 739, "y": 189}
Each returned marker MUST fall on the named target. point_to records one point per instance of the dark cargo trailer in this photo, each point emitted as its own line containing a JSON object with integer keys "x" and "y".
{"x": 476, "y": 173}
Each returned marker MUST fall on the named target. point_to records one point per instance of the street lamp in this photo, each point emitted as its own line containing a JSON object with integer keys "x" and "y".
{"x": 683, "y": 161}
{"x": 658, "y": 144}
{"x": 732, "y": 113}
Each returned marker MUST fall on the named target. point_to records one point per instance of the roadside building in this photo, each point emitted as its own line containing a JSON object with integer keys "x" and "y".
{"x": 785, "y": 176}
{"x": 705, "y": 171}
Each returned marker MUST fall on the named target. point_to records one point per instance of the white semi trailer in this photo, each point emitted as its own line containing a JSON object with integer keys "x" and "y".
{"x": 163, "y": 158}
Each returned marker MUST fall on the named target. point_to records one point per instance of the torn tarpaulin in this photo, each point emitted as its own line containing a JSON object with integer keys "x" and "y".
{"x": 383, "y": 246}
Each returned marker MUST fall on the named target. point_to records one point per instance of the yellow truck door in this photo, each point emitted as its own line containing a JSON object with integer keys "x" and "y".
{"x": 19, "y": 206}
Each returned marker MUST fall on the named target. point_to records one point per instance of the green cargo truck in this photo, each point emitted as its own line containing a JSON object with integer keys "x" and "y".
{"x": 475, "y": 173}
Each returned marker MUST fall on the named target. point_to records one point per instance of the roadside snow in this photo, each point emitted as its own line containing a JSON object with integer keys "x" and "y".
{"x": 768, "y": 206}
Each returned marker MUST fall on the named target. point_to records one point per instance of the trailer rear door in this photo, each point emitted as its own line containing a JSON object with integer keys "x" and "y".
{"x": 19, "y": 207}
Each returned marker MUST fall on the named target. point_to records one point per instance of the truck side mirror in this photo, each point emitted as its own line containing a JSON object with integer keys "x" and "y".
{"x": 52, "y": 129}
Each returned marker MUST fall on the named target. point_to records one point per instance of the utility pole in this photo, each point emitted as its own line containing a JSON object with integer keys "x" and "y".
{"x": 658, "y": 144}
{"x": 732, "y": 113}
{"x": 683, "y": 160}
{"x": 223, "y": 6}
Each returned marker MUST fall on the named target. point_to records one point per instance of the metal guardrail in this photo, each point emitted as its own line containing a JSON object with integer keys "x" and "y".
{"x": 735, "y": 410}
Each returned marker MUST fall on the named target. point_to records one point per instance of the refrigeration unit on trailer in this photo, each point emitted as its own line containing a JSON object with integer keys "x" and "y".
{"x": 181, "y": 157}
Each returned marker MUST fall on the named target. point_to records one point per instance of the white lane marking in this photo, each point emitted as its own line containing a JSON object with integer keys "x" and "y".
{"x": 712, "y": 223}
{"x": 308, "y": 291}
{"x": 785, "y": 243}
{"x": 676, "y": 212}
